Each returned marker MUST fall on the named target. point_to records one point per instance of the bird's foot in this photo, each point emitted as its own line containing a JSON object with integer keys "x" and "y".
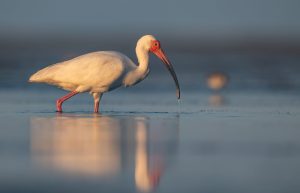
{"x": 96, "y": 110}
{"x": 96, "y": 107}
{"x": 58, "y": 106}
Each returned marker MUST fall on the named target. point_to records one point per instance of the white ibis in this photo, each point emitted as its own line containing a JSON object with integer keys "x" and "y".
{"x": 102, "y": 71}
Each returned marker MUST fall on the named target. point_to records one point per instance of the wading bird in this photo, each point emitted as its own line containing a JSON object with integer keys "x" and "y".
{"x": 103, "y": 71}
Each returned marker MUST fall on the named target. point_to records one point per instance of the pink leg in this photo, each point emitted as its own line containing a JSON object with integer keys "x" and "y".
{"x": 96, "y": 107}
{"x": 60, "y": 101}
{"x": 97, "y": 98}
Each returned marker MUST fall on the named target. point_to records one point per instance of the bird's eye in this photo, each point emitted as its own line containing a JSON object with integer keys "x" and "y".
{"x": 155, "y": 45}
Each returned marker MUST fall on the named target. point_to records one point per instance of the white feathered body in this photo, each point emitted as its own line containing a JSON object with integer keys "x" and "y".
{"x": 95, "y": 72}
{"x": 99, "y": 72}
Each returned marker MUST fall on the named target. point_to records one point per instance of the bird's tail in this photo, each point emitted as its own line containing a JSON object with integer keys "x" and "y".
{"x": 33, "y": 78}
{"x": 37, "y": 77}
{"x": 45, "y": 74}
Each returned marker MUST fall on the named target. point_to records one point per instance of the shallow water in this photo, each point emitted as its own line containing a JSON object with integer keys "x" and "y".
{"x": 145, "y": 142}
{"x": 244, "y": 138}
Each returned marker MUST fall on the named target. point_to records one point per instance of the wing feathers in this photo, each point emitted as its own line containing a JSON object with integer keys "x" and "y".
{"x": 87, "y": 72}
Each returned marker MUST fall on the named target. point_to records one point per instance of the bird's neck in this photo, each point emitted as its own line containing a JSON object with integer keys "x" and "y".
{"x": 141, "y": 70}
{"x": 143, "y": 60}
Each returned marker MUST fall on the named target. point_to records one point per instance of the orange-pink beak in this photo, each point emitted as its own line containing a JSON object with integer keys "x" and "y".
{"x": 161, "y": 55}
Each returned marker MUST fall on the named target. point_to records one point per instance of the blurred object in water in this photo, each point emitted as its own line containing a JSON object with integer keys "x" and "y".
{"x": 217, "y": 80}
{"x": 216, "y": 100}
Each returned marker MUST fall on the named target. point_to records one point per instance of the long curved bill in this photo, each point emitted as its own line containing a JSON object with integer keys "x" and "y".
{"x": 161, "y": 55}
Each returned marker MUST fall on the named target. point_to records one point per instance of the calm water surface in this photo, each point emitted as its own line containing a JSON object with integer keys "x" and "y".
{"x": 245, "y": 138}
{"x": 143, "y": 142}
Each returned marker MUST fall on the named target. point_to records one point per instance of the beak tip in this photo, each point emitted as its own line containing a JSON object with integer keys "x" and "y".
{"x": 178, "y": 94}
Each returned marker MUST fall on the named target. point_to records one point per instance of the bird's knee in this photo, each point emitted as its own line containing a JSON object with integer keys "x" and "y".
{"x": 97, "y": 97}
{"x": 59, "y": 102}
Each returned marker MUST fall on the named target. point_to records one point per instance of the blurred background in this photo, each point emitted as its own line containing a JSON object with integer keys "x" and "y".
{"x": 256, "y": 43}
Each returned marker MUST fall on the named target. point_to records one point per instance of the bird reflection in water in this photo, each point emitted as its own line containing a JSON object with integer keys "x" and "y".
{"x": 217, "y": 100}
{"x": 101, "y": 146}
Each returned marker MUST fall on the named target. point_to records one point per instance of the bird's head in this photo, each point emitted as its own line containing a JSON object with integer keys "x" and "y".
{"x": 151, "y": 44}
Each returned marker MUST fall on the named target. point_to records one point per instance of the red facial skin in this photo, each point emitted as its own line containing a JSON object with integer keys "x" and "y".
{"x": 155, "y": 45}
